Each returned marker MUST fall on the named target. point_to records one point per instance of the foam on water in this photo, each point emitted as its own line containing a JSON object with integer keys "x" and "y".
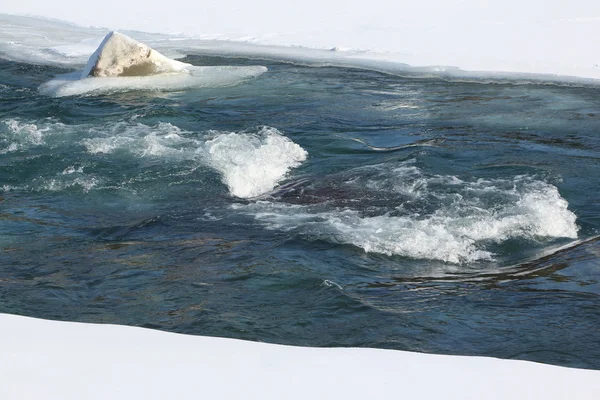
{"x": 163, "y": 140}
{"x": 85, "y": 182}
{"x": 251, "y": 163}
{"x": 16, "y": 135}
{"x": 426, "y": 216}
{"x": 439, "y": 217}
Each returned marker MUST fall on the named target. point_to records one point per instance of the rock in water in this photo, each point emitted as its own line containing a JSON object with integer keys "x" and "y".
{"x": 120, "y": 55}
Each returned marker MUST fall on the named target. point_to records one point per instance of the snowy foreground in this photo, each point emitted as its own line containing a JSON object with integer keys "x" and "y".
{"x": 65, "y": 360}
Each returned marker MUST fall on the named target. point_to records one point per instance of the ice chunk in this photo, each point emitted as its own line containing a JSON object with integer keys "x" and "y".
{"x": 120, "y": 55}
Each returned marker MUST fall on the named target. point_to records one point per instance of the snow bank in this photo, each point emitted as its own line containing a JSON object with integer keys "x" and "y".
{"x": 64, "y": 360}
{"x": 510, "y": 36}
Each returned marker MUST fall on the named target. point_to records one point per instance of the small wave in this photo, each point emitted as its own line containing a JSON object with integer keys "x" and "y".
{"x": 163, "y": 140}
{"x": 70, "y": 179}
{"x": 253, "y": 164}
{"x": 438, "y": 217}
{"x": 86, "y": 183}
{"x": 419, "y": 143}
{"x": 16, "y": 135}
{"x": 250, "y": 163}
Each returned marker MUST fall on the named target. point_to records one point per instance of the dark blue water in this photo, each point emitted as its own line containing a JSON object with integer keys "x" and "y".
{"x": 310, "y": 206}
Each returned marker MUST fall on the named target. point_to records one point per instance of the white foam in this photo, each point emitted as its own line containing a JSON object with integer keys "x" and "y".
{"x": 250, "y": 163}
{"x": 253, "y": 164}
{"x": 71, "y": 170}
{"x": 16, "y": 135}
{"x": 86, "y": 183}
{"x": 163, "y": 140}
{"x": 197, "y": 77}
{"x": 450, "y": 220}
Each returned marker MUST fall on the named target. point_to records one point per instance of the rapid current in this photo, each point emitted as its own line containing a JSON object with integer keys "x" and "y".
{"x": 308, "y": 205}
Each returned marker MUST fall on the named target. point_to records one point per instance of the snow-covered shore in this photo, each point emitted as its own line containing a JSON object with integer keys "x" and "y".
{"x": 510, "y": 36}
{"x": 64, "y": 360}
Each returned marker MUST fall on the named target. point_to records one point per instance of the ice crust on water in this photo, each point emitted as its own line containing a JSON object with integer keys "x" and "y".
{"x": 250, "y": 163}
{"x": 444, "y": 218}
{"x": 196, "y": 77}
{"x": 77, "y": 51}
{"x": 123, "y": 64}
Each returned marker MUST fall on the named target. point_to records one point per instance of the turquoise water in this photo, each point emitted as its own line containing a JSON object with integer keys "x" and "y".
{"x": 309, "y": 206}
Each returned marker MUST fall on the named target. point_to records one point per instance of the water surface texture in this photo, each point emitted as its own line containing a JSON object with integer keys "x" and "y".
{"x": 309, "y": 206}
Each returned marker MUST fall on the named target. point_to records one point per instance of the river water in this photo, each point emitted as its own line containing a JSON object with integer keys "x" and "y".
{"x": 321, "y": 206}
